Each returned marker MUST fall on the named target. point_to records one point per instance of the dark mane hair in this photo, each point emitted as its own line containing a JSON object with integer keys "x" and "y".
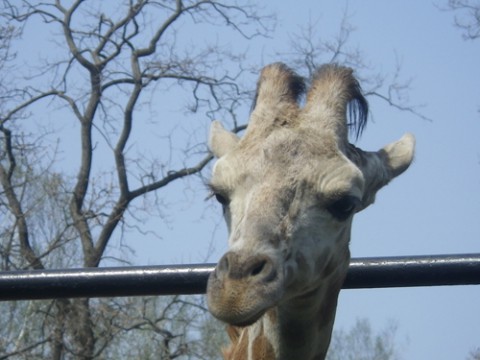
{"x": 357, "y": 112}
{"x": 291, "y": 87}
{"x": 357, "y": 105}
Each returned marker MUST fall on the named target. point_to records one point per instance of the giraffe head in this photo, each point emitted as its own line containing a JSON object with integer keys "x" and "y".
{"x": 289, "y": 189}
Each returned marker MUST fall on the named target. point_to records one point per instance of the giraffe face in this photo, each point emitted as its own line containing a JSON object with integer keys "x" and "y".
{"x": 289, "y": 210}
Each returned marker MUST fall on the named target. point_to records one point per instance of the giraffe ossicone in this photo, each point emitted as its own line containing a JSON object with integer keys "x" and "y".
{"x": 290, "y": 187}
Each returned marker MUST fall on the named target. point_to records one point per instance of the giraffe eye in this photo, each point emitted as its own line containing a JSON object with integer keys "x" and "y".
{"x": 221, "y": 199}
{"x": 342, "y": 208}
{"x": 218, "y": 193}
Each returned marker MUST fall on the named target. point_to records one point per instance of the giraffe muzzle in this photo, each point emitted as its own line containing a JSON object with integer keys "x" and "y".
{"x": 242, "y": 288}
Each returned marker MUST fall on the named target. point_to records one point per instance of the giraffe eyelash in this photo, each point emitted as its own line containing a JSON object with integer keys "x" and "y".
{"x": 217, "y": 193}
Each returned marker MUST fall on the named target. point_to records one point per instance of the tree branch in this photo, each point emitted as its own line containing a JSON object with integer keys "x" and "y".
{"x": 25, "y": 350}
{"x": 15, "y": 207}
{"x": 10, "y": 114}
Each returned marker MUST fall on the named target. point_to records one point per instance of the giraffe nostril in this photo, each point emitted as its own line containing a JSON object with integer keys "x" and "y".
{"x": 256, "y": 268}
{"x": 224, "y": 264}
{"x": 223, "y": 267}
{"x": 263, "y": 270}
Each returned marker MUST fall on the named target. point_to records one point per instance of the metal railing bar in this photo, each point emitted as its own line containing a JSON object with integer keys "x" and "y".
{"x": 375, "y": 272}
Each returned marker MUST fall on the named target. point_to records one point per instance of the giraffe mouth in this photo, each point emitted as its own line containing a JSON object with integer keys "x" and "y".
{"x": 241, "y": 313}
{"x": 248, "y": 321}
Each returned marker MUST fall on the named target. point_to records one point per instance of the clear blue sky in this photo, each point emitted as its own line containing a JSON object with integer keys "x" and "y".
{"x": 434, "y": 208}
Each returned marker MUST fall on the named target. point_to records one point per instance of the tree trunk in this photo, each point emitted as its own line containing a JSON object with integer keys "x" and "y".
{"x": 82, "y": 329}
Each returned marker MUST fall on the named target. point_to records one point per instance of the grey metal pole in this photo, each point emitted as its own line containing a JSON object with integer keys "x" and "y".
{"x": 375, "y": 272}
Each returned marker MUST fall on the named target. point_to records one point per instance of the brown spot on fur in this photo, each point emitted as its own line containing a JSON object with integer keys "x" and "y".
{"x": 238, "y": 348}
{"x": 233, "y": 332}
{"x": 262, "y": 349}
{"x": 272, "y": 315}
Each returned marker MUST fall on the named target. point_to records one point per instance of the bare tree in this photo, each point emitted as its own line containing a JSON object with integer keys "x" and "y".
{"x": 467, "y": 17}
{"x": 474, "y": 354}
{"x": 112, "y": 59}
{"x": 308, "y": 50}
{"x": 362, "y": 343}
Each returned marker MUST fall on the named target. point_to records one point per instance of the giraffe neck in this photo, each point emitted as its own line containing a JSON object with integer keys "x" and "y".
{"x": 299, "y": 329}
{"x": 255, "y": 341}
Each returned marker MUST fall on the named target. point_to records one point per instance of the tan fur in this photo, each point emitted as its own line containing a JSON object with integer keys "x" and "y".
{"x": 290, "y": 188}
{"x": 238, "y": 347}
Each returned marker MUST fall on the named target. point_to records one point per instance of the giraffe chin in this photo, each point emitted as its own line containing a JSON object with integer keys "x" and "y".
{"x": 242, "y": 309}
{"x": 238, "y": 305}
{"x": 237, "y": 318}
{"x": 247, "y": 321}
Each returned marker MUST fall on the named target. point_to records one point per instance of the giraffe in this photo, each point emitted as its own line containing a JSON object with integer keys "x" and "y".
{"x": 289, "y": 189}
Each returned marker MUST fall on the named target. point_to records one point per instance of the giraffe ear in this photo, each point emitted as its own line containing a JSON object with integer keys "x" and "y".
{"x": 221, "y": 141}
{"x": 399, "y": 155}
{"x": 380, "y": 167}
